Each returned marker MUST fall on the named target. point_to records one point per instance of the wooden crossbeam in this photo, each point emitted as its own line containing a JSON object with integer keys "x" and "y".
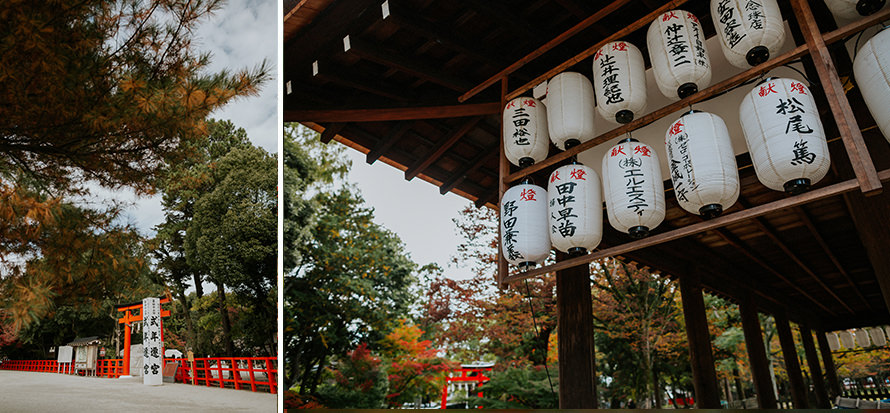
{"x": 404, "y": 63}
{"x": 442, "y": 147}
{"x": 390, "y": 139}
{"x": 390, "y": 114}
{"x": 481, "y": 158}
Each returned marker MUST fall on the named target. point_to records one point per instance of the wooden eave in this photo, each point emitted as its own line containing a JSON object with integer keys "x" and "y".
{"x": 421, "y": 90}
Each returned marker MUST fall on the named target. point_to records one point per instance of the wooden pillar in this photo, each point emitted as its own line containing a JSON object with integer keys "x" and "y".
{"x": 834, "y": 386}
{"x": 503, "y": 171}
{"x": 574, "y": 307}
{"x": 792, "y": 364}
{"x": 704, "y": 375}
{"x": 822, "y": 401}
{"x": 763, "y": 383}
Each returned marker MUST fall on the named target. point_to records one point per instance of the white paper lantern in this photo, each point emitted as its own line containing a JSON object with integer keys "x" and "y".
{"x": 750, "y": 31}
{"x": 877, "y": 336}
{"x": 871, "y": 70}
{"x": 575, "y": 204}
{"x": 833, "y": 342}
{"x": 853, "y": 9}
{"x": 702, "y": 164}
{"x": 633, "y": 188}
{"x": 846, "y": 339}
{"x": 152, "y": 347}
{"x": 619, "y": 80}
{"x": 784, "y": 135}
{"x": 678, "y": 54}
{"x": 862, "y": 338}
{"x": 525, "y": 238}
{"x": 526, "y": 139}
{"x": 570, "y": 109}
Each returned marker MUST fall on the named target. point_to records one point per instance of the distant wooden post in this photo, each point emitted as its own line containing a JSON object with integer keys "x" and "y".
{"x": 704, "y": 375}
{"x": 577, "y": 367}
{"x": 792, "y": 364}
{"x": 763, "y": 382}
{"x": 806, "y": 335}
{"x": 834, "y": 386}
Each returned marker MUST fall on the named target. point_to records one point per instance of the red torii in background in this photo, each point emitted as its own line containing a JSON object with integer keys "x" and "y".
{"x": 128, "y": 318}
{"x": 468, "y": 374}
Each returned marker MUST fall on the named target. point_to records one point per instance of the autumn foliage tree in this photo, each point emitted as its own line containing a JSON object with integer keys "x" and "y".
{"x": 416, "y": 370}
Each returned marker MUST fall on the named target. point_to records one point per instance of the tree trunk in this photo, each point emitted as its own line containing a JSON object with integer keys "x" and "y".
{"x": 226, "y": 325}
{"x": 191, "y": 337}
{"x": 199, "y": 289}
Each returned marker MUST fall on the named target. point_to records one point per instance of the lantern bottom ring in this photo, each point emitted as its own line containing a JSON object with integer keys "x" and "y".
{"x": 624, "y": 116}
{"x": 577, "y": 251}
{"x": 869, "y": 7}
{"x": 527, "y": 265}
{"x": 797, "y": 186}
{"x": 571, "y": 143}
{"x": 525, "y": 162}
{"x": 687, "y": 89}
{"x": 638, "y": 232}
{"x": 711, "y": 211}
{"x": 757, "y": 55}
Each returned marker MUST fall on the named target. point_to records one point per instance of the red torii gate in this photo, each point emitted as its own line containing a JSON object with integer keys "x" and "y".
{"x": 469, "y": 373}
{"x": 128, "y": 318}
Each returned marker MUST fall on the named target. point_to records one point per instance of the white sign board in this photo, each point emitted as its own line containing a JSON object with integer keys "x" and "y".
{"x": 153, "y": 353}
{"x": 65, "y": 353}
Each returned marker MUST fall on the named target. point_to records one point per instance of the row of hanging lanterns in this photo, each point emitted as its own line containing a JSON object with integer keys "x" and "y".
{"x": 862, "y": 337}
{"x": 779, "y": 120}
{"x": 852, "y": 9}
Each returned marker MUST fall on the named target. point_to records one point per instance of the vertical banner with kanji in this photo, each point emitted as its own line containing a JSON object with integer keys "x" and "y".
{"x": 152, "y": 367}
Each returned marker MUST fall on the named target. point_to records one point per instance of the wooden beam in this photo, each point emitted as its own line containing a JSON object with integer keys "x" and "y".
{"x": 403, "y": 63}
{"x": 481, "y": 158}
{"x": 760, "y": 369}
{"x": 503, "y": 170}
{"x": 574, "y": 308}
{"x": 792, "y": 363}
{"x": 388, "y": 141}
{"x": 509, "y": 20}
{"x": 707, "y": 93}
{"x": 806, "y": 336}
{"x": 701, "y": 357}
{"x": 326, "y": 28}
{"x": 834, "y": 386}
{"x": 446, "y": 143}
{"x": 834, "y": 92}
{"x": 377, "y": 87}
{"x": 330, "y": 131}
{"x": 808, "y": 221}
{"x": 624, "y": 32}
{"x": 602, "y": 13}
{"x": 743, "y": 215}
{"x": 389, "y": 114}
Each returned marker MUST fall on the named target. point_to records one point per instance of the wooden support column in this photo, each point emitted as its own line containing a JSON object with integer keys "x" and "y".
{"x": 822, "y": 401}
{"x": 834, "y": 386}
{"x": 792, "y": 364}
{"x": 503, "y": 170}
{"x": 704, "y": 375}
{"x": 574, "y": 307}
{"x": 763, "y": 383}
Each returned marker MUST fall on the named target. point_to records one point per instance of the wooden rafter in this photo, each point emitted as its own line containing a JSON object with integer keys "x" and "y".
{"x": 391, "y": 138}
{"x": 331, "y": 130}
{"x": 404, "y": 63}
{"x": 481, "y": 158}
{"x": 389, "y": 114}
{"x": 378, "y": 87}
{"x": 446, "y": 143}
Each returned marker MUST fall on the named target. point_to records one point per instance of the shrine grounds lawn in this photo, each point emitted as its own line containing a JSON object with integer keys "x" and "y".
{"x": 22, "y": 391}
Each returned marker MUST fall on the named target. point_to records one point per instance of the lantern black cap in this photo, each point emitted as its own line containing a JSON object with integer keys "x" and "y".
{"x": 757, "y": 55}
{"x": 638, "y": 232}
{"x": 687, "y": 89}
{"x": 577, "y": 251}
{"x": 869, "y": 7}
{"x": 525, "y": 162}
{"x": 571, "y": 143}
{"x": 711, "y": 211}
{"x": 624, "y": 116}
{"x": 797, "y": 186}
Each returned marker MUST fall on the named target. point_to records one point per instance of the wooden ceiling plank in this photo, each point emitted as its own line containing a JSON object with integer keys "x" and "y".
{"x": 404, "y": 63}
{"x": 326, "y": 28}
{"x": 604, "y": 12}
{"x": 391, "y": 114}
{"x": 808, "y": 221}
{"x": 474, "y": 164}
{"x": 445, "y": 144}
{"x": 377, "y": 88}
{"x": 509, "y": 20}
{"x": 391, "y": 138}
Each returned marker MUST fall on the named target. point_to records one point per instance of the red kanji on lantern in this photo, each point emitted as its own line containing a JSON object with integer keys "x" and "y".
{"x": 667, "y": 16}
{"x": 598, "y": 54}
{"x": 692, "y": 17}
{"x": 766, "y": 90}
{"x": 555, "y": 176}
{"x": 616, "y": 150}
{"x": 511, "y": 104}
{"x": 578, "y": 174}
{"x": 642, "y": 150}
{"x": 530, "y": 103}
{"x": 620, "y": 47}
{"x": 527, "y": 194}
{"x": 798, "y": 87}
{"x": 675, "y": 128}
